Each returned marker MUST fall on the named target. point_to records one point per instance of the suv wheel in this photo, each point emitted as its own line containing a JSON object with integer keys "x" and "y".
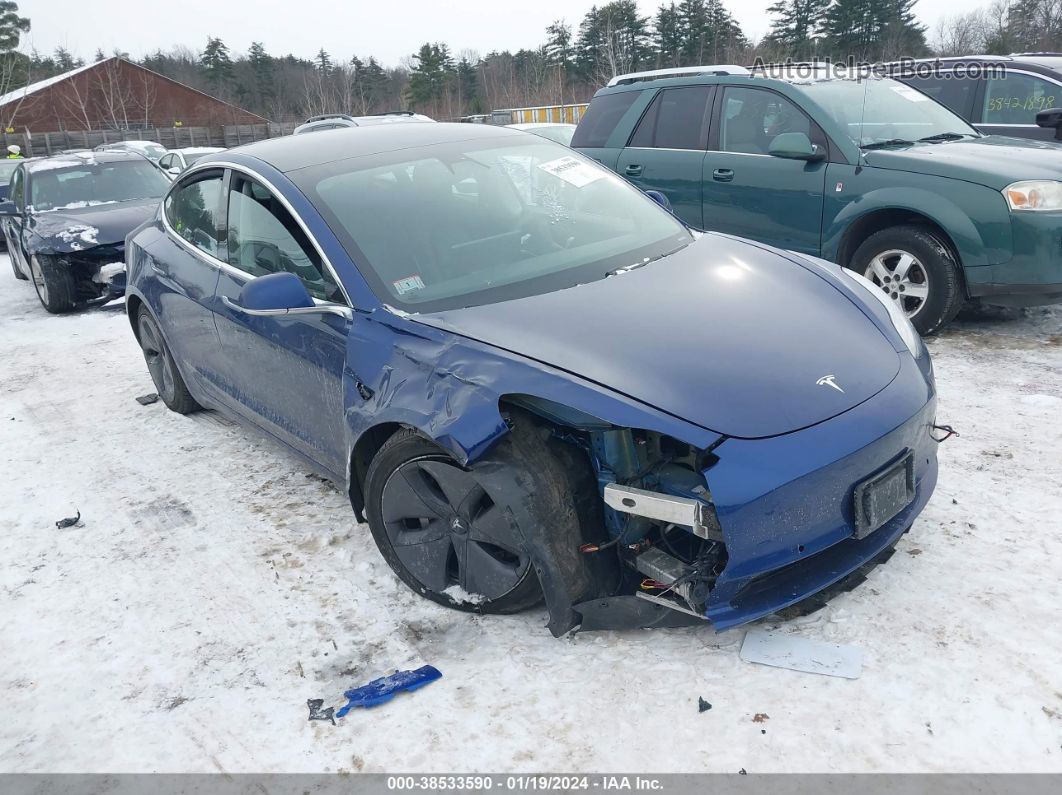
{"x": 915, "y": 268}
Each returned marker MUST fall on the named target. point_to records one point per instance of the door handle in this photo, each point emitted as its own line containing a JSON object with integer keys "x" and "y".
{"x": 723, "y": 175}
{"x": 633, "y": 170}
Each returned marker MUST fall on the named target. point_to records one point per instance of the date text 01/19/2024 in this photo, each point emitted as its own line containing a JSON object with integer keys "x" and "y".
{"x": 543, "y": 783}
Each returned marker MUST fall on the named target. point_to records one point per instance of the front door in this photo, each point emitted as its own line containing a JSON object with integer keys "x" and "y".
{"x": 666, "y": 151}
{"x": 285, "y": 373}
{"x": 748, "y": 192}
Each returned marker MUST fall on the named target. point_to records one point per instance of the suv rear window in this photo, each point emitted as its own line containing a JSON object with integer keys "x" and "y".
{"x": 601, "y": 118}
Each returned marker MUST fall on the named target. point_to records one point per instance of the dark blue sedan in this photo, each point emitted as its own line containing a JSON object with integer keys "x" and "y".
{"x": 533, "y": 381}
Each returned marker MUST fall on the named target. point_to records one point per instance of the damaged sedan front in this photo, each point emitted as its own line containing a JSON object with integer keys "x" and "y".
{"x": 536, "y": 384}
{"x": 66, "y": 219}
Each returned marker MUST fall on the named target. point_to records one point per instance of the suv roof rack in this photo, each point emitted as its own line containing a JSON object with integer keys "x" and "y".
{"x": 323, "y": 116}
{"x": 678, "y": 71}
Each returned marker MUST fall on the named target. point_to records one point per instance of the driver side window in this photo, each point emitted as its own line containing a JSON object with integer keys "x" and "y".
{"x": 752, "y": 118}
{"x": 263, "y": 238}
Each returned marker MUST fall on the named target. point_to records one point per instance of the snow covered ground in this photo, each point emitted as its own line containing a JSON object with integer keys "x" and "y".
{"x": 214, "y": 586}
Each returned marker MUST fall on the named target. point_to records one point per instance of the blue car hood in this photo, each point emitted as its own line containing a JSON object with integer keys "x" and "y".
{"x": 723, "y": 334}
{"x": 64, "y": 230}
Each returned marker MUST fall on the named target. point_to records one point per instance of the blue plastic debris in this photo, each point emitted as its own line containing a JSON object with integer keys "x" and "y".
{"x": 383, "y": 689}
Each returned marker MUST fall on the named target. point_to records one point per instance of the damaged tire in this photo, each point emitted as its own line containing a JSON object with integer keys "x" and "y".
{"x": 442, "y": 533}
{"x": 917, "y": 270}
{"x": 54, "y": 284}
{"x": 164, "y": 373}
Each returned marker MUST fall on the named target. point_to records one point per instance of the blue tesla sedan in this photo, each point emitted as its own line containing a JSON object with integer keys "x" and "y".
{"x": 533, "y": 381}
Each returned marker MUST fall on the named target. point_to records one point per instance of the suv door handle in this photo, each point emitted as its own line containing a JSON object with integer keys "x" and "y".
{"x": 723, "y": 174}
{"x": 633, "y": 170}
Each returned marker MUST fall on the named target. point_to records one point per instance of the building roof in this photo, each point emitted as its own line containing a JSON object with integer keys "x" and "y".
{"x": 33, "y": 88}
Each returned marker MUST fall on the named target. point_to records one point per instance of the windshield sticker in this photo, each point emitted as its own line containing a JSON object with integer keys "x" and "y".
{"x": 408, "y": 284}
{"x": 572, "y": 171}
{"x": 909, "y": 93}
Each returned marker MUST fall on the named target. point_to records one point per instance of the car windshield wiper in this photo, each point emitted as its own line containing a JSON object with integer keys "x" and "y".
{"x": 945, "y": 136}
{"x": 890, "y": 142}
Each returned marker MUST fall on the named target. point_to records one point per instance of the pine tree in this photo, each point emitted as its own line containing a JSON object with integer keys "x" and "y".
{"x": 431, "y": 73}
{"x": 323, "y": 61}
{"x": 215, "y": 63}
{"x": 795, "y": 32}
{"x": 102, "y": 56}
{"x": 261, "y": 71}
{"x": 12, "y": 26}
{"x": 667, "y": 36}
{"x": 64, "y": 61}
{"x": 468, "y": 87}
{"x": 558, "y": 46}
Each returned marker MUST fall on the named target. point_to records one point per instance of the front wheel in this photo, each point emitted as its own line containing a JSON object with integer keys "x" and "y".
{"x": 54, "y": 284}
{"x": 442, "y": 533}
{"x": 917, "y": 271}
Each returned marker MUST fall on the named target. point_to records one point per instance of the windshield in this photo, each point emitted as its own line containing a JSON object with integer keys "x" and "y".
{"x": 475, "y": 222}
{"x": 7, "y": 168}
{"x": 880, "y": 110}
{"x": 102, "y": 183}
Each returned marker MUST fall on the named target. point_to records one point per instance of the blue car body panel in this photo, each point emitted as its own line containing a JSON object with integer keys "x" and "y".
{"x": 671, "y": 347}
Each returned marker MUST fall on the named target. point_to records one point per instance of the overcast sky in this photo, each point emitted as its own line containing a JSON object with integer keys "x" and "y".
{"x": 388, "y": 30}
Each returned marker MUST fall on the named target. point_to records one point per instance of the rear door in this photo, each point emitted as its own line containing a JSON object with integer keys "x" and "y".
{"x": 748, "y": 192}
{"x": 666, "y": 151}
{"x": 285, "y": 373}
{"x": 183, "y": 268}
{"x": 603, "y": 124}
{"x": 1010, "y": 103}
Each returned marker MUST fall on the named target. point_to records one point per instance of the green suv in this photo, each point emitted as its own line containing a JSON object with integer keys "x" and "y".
{"x": 869, "y": 173}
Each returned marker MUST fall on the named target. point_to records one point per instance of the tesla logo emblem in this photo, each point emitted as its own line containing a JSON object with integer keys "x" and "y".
{"x": 827, "y": 380}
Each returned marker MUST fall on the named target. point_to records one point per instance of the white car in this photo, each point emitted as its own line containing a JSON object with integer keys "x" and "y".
{"x": 149, "y": 149}
{"x": 177, "y": 160}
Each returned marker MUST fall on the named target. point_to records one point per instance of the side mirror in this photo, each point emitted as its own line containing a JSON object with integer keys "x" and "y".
{"x": 659, "y": 198}
{"x": 1051, "y": 118}
{"x": 282, "y": 290}
{"x": 281, "y": 293}
{"x": 795, "y": 146}
{"x": 7, "y": 207}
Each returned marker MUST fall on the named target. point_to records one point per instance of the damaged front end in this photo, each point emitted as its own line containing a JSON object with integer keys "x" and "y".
{"x": 96, "y": 273}
{"x": 660, "y": 539}
{"x": 745, "y": 528}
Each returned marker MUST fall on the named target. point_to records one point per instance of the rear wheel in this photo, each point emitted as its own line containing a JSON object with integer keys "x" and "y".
{"x": 443, "y": 533}
{"x": 918, "y": 272}
{"x": 163, "y": 368}
{"x": 54, "y": 284}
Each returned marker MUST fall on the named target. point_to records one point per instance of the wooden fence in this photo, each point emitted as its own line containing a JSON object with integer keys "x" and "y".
{"x": 38, "y": 144}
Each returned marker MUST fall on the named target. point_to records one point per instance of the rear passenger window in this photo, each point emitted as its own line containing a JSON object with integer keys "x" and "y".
{"x": 601, "y": 118}
{"x": 1017, "y": 98}
{"x": 677, "y": 119}
{"x": 264, "y": 238}
{"x": 194, "y": 211}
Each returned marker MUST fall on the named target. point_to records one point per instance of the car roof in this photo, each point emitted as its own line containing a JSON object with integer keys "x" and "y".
{"x": 291, "y": 152}
{"x": 196, "y": 150}
{"x": 80, "y": 158}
